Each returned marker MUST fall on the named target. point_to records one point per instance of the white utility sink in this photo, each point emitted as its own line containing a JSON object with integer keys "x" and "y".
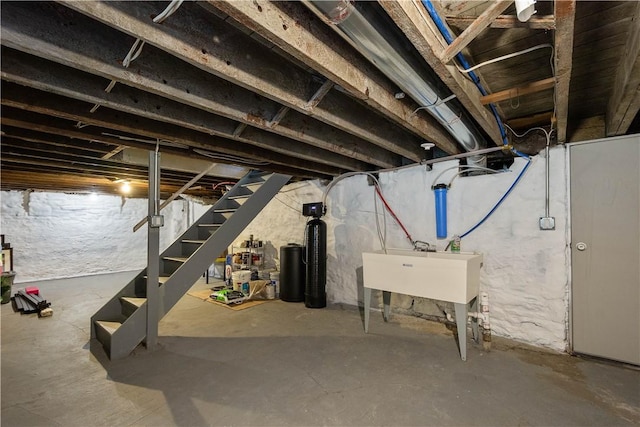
{"x": 436, "y": 275}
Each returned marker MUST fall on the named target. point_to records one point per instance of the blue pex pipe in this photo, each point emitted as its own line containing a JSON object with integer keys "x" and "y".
{"x": 440, "y": 193}
{"x": 433, "y": 13}
{"x": 504, "y": 196}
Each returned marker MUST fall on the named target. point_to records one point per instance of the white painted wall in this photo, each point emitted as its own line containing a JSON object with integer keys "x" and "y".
{"x": 526, "y": 270}
{"x": 57, "y": 235}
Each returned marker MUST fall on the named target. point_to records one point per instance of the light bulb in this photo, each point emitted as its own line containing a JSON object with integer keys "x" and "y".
{"x": 125, "y": 187}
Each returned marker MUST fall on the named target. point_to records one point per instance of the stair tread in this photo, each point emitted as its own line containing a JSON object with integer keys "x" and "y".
{"x": 134, "y": 300}
{"x": 252, "y": 184}
{"x": 176, "y": 258}
{"x": 226, "y": 210}
{"x": 193, "y": 241}
{"x": 244, "y": 196}
{"x": 161, "y": 279}
{"x": 210, "y": 225}
{"x": 110, "y": 327}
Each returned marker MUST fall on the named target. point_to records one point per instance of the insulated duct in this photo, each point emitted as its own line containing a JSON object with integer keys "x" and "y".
{"x": 366, "y": 27}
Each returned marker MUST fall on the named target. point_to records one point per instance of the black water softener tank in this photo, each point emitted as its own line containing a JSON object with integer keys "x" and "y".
{"x": 292, "y": 273}
{"x": 315, "y": 295}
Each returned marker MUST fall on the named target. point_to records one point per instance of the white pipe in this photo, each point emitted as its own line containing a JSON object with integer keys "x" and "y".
{"x": 486, "y": 324}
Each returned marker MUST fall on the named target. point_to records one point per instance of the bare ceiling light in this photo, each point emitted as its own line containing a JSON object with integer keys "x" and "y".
{"x": 125, "y": 187}
{"x": 399, "y": 95}
{"x": 428, "y": 145}
{"x": 525, "y": 9}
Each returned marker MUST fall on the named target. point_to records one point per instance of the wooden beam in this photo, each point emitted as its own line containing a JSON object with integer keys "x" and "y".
{"x": 473, "y": 30}
{"x": 217, "y": 47}
{"x": 421, "y": 31}
{"x": 564, "y": 11}
{"x": 530, "y": 121}
{"x": 292, "y": 28}
{"x": 587, "y": 129}
{"x": 42, "y": 74}
{"x": 624, "y": 102}
{"x": 41, "y": 123}
{"x": 113, "y": 152}
{"x": 35, "y": 178}
{"x": 98, "y": 50}
{"x": 42, "y": 156}
{"x": 543, "y": 22}
{"x": 75, "y": 89}
{"x": 515, "y": 92}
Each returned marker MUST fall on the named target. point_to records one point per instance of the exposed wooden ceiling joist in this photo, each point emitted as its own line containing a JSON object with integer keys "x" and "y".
{"x": 564, "y": 12}
{"x": 296, "y": 31}
{"x": 542, "y": 22}
{"x": 80, "y": 86}
{"x": 160, "y": 72}
{"x": 515, "y": 92}
{"x": 45, "y": 123}
{"x": 476, "y": 27}
{"x": 216, "y": 47}
{"x": 77, "y": 182}
{"x": 419, "y": 29}
{"x": 624, "y": 102}
{"x": 271, "y": 83}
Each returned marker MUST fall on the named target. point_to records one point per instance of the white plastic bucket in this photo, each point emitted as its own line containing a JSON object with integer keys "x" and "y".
{"x": 240, "y": 280}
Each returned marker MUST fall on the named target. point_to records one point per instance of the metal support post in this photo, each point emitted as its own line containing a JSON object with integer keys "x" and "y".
{"x": 153, "y": 251}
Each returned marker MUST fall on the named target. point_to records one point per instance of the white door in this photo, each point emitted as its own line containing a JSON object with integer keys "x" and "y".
{"x": 605, "y": 248}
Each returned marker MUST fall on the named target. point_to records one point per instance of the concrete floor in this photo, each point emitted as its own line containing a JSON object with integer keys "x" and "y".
{"x": 282, "y": 364}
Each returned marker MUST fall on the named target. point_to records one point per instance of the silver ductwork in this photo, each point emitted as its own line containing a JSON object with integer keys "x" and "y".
{"x": 367, "y": 28}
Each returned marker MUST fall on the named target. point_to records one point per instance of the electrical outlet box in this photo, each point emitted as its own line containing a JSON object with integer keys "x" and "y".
{"x": 156, "y": 221}
{"x": 547, "y": 223}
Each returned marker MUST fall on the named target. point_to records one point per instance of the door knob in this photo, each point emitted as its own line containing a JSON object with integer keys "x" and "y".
{"x": 581, "y": 246}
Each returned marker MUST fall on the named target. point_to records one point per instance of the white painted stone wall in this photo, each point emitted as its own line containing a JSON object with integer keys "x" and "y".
{"x": 57, "y": 235}
{"x": 526, "y": 270}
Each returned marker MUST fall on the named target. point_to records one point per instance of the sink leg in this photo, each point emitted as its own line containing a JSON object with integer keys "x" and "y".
{"x": 386, "y": 303}
{"x": 475, "y": 321}
{"x": 461, "y": 322}
{"x": 367, "y": 306}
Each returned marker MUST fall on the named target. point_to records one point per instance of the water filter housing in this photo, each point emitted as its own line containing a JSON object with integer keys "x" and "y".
{"x": 315, "y": 295}
{"x": 440, "y": 193}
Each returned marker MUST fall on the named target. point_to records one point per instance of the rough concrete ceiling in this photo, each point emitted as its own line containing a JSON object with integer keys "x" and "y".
{"x": 269, "y": 85}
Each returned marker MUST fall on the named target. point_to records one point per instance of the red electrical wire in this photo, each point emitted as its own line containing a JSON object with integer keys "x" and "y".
{"x": 222, "y": 183}
{"x": 386, "y": 205}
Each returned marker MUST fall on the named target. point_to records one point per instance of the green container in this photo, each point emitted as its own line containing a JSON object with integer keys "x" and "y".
{"x": 5, "y": 287}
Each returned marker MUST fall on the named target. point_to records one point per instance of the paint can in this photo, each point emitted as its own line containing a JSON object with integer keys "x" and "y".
{"x": 270, "y": 291}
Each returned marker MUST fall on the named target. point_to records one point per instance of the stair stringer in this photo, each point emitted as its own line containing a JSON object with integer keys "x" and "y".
{"x": 112, "y": 310}
{"x": 187, "y": 274}
{"x": 133, "y": 328}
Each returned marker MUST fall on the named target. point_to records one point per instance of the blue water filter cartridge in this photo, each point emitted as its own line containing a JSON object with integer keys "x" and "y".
{"x": 440, "y": 193}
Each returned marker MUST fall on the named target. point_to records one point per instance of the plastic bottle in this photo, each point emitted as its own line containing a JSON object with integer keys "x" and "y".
{"x": 455, "y": 244}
